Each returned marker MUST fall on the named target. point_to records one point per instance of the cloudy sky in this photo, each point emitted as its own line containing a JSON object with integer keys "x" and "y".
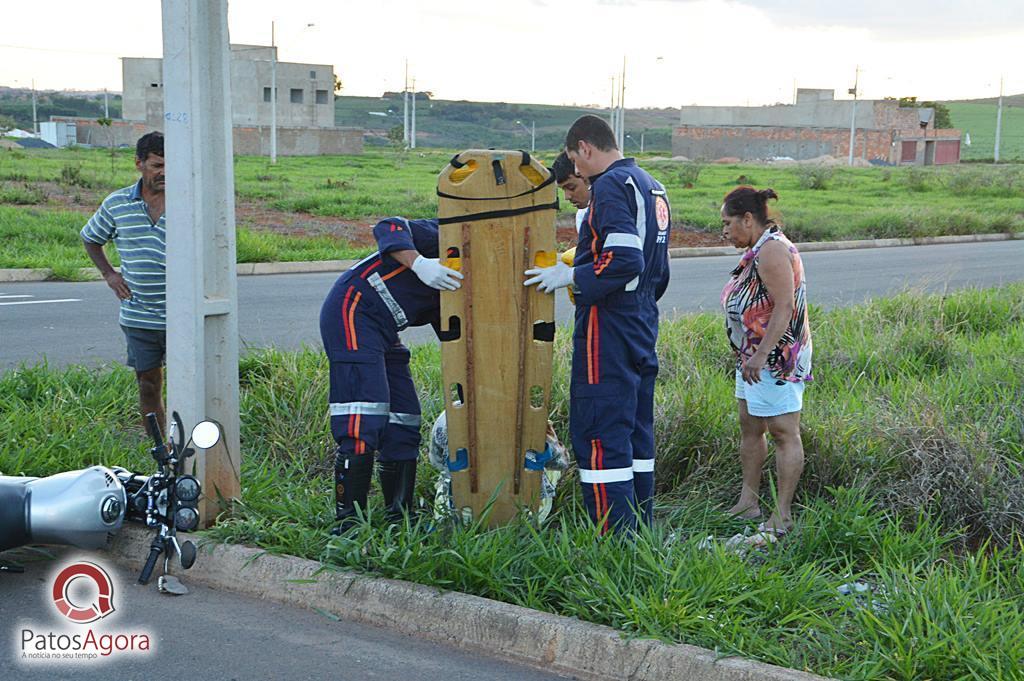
{"x": 565, "y": 51}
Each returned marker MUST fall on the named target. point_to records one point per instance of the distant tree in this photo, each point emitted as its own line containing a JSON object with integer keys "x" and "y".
{"x": 7, "y": 123}
{"x": 337, "y": 84}
{"x": 108, "y": 124}
{"x": 942, "y": 116}
{"x": 396, "y": 135}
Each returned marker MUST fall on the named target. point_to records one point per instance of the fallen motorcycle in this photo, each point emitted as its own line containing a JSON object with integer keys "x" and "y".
{"x": 86, "y": 508}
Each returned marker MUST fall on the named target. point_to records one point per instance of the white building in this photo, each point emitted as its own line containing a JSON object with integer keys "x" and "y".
{"x": 305, "y": 92}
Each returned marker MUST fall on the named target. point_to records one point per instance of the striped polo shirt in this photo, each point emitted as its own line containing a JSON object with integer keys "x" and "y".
{"x": 140, "y": 243}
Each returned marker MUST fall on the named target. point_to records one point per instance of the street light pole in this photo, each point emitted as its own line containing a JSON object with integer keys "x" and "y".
{"x": 273, "y": 96}
{"x": 412, "y": 124}
{"x": 853, "y": 118}
{"x": 533, "y": 133}
{"x": 999, "y": 120}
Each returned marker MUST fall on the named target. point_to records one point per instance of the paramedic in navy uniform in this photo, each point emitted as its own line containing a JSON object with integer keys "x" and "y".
{"x": 373, "y": 402}
{"x": 619, "y": 273}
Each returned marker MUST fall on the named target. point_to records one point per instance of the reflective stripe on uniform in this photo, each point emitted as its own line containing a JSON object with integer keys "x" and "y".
{"x": 405, "y": 419}
{"x": 641, "y": 225}
{"x": 607, "y": 475}
{"x": 361, "y": 408}
{"x": 389, "y": 300}
{"x": 643, "y": 465}
{"x": 623, "y": 240}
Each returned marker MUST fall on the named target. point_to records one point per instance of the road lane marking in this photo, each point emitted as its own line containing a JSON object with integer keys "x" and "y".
{"x": 39, "y": 302}
{"x": 5, "y": 296}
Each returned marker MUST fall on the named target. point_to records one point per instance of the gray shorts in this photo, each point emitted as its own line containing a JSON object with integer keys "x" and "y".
{"x": 147, "y": 348}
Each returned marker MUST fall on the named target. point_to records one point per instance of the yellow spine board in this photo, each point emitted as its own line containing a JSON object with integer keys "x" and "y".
{"x": 496, "y": 350}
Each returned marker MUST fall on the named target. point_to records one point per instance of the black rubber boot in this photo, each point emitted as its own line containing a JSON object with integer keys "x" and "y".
{"x": 352, "y": 475}
{"x": 398, "y": 485}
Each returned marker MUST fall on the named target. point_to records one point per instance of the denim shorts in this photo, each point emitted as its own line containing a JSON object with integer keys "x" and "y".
{"x": 771, "y": 397}
{"x": 147, "y": 348}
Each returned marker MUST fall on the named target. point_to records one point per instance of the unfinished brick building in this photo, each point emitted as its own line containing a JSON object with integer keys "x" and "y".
{"x": 816, "y": 125}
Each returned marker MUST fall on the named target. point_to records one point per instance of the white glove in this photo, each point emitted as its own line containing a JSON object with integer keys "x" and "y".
{"x": 550, "y": 278}
{"x": 435, "y": 275}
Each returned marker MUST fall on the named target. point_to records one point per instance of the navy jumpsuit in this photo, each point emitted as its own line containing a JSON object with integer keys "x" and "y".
{"x": 373, "y": 402}
{"x": 620, "y": 271}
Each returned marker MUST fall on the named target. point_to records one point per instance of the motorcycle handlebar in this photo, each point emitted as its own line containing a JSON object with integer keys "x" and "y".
{"x": 155, "y": 549}
{"x": 154, "y": 429}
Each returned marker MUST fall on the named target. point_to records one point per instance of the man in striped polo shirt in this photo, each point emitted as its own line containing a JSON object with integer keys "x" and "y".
{"x": 133, "y": 218}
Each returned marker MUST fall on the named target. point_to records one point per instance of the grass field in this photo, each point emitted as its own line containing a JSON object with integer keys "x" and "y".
{"x": 914, "y": 432}
{"x": 979, "y": 119}
{"x": 321, "y": 207}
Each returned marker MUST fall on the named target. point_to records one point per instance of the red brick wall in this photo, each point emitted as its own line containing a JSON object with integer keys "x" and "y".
{"x": 761, "y": 142}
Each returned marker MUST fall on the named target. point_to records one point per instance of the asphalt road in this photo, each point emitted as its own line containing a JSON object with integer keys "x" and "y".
{"x": 209, "y": 634}
{"x": 68, "y": 323}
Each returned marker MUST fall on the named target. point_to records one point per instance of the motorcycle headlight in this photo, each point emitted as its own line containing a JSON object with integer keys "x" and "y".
{"x": 187, "y": 488}
{"x": 186, "y": 519}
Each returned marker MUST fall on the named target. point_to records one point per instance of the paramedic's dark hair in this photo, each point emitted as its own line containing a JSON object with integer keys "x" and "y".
{"x": 592, "y": 129}
{"x": 563, "y": 168}
{"x": 150, "y": 143}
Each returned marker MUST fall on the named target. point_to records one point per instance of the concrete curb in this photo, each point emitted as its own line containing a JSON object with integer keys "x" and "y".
{"x": 548, "y": 642}
{"x": 311, "y": 266}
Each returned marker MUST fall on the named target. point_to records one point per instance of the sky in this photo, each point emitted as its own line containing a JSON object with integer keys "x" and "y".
{"x": 676, "y": 52}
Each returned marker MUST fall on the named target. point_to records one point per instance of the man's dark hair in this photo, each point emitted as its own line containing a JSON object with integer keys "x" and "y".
{"x": 150, "y": 143}
{"x": 593, "y": 130}
{"x": 563, "y": 168}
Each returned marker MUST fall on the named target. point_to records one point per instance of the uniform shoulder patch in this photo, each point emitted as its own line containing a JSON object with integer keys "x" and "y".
{"x": 661, "y": 212}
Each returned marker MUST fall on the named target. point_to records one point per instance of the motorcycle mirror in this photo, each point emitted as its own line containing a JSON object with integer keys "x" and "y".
{"x": 188, "y": 554}
{"x": 206, "y": 434}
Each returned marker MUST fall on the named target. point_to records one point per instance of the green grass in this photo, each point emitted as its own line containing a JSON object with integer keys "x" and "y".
{"x": 823, "y": 204}
{"x": 830, "y": 204}
{"x": 914, "y": 433}
{"x": 979, "y": 119}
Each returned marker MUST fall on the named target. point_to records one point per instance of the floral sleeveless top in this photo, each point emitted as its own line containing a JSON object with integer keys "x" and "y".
{"x": 748, "y": 308}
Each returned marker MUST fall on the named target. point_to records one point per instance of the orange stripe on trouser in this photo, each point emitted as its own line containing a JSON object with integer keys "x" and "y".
{"x": 353, "y": 432}
{"x": 593, "y": 348}
{"x": 344, "y": 317}
{"x": 604, "y": 487}
{"x": 598, "y": 510}
{"x": 352, "y": 322}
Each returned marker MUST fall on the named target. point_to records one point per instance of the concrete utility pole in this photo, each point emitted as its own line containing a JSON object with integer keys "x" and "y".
{"x": 412, "y": 127}
{"x": 999, "y": 120}
{"x": 106, "y": 104}
{"x": 202, "y": 310}
{"x": 613, "y": 110}
{"x": 853, "y": 118}
{"x": 35, "y": 119}
{"x": 622, "y": 106}
{"x": 273, "y": 96}
{"x": 405, "y": 105}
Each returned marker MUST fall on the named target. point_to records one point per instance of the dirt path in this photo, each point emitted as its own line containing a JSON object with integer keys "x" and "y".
{"x": 256, "y": 216}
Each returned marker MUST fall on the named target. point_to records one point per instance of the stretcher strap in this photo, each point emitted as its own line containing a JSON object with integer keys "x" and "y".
{"x": 497, "y": 214}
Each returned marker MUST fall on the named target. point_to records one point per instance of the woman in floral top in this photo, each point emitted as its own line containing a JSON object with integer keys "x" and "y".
{"x": 765, "y": 304}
